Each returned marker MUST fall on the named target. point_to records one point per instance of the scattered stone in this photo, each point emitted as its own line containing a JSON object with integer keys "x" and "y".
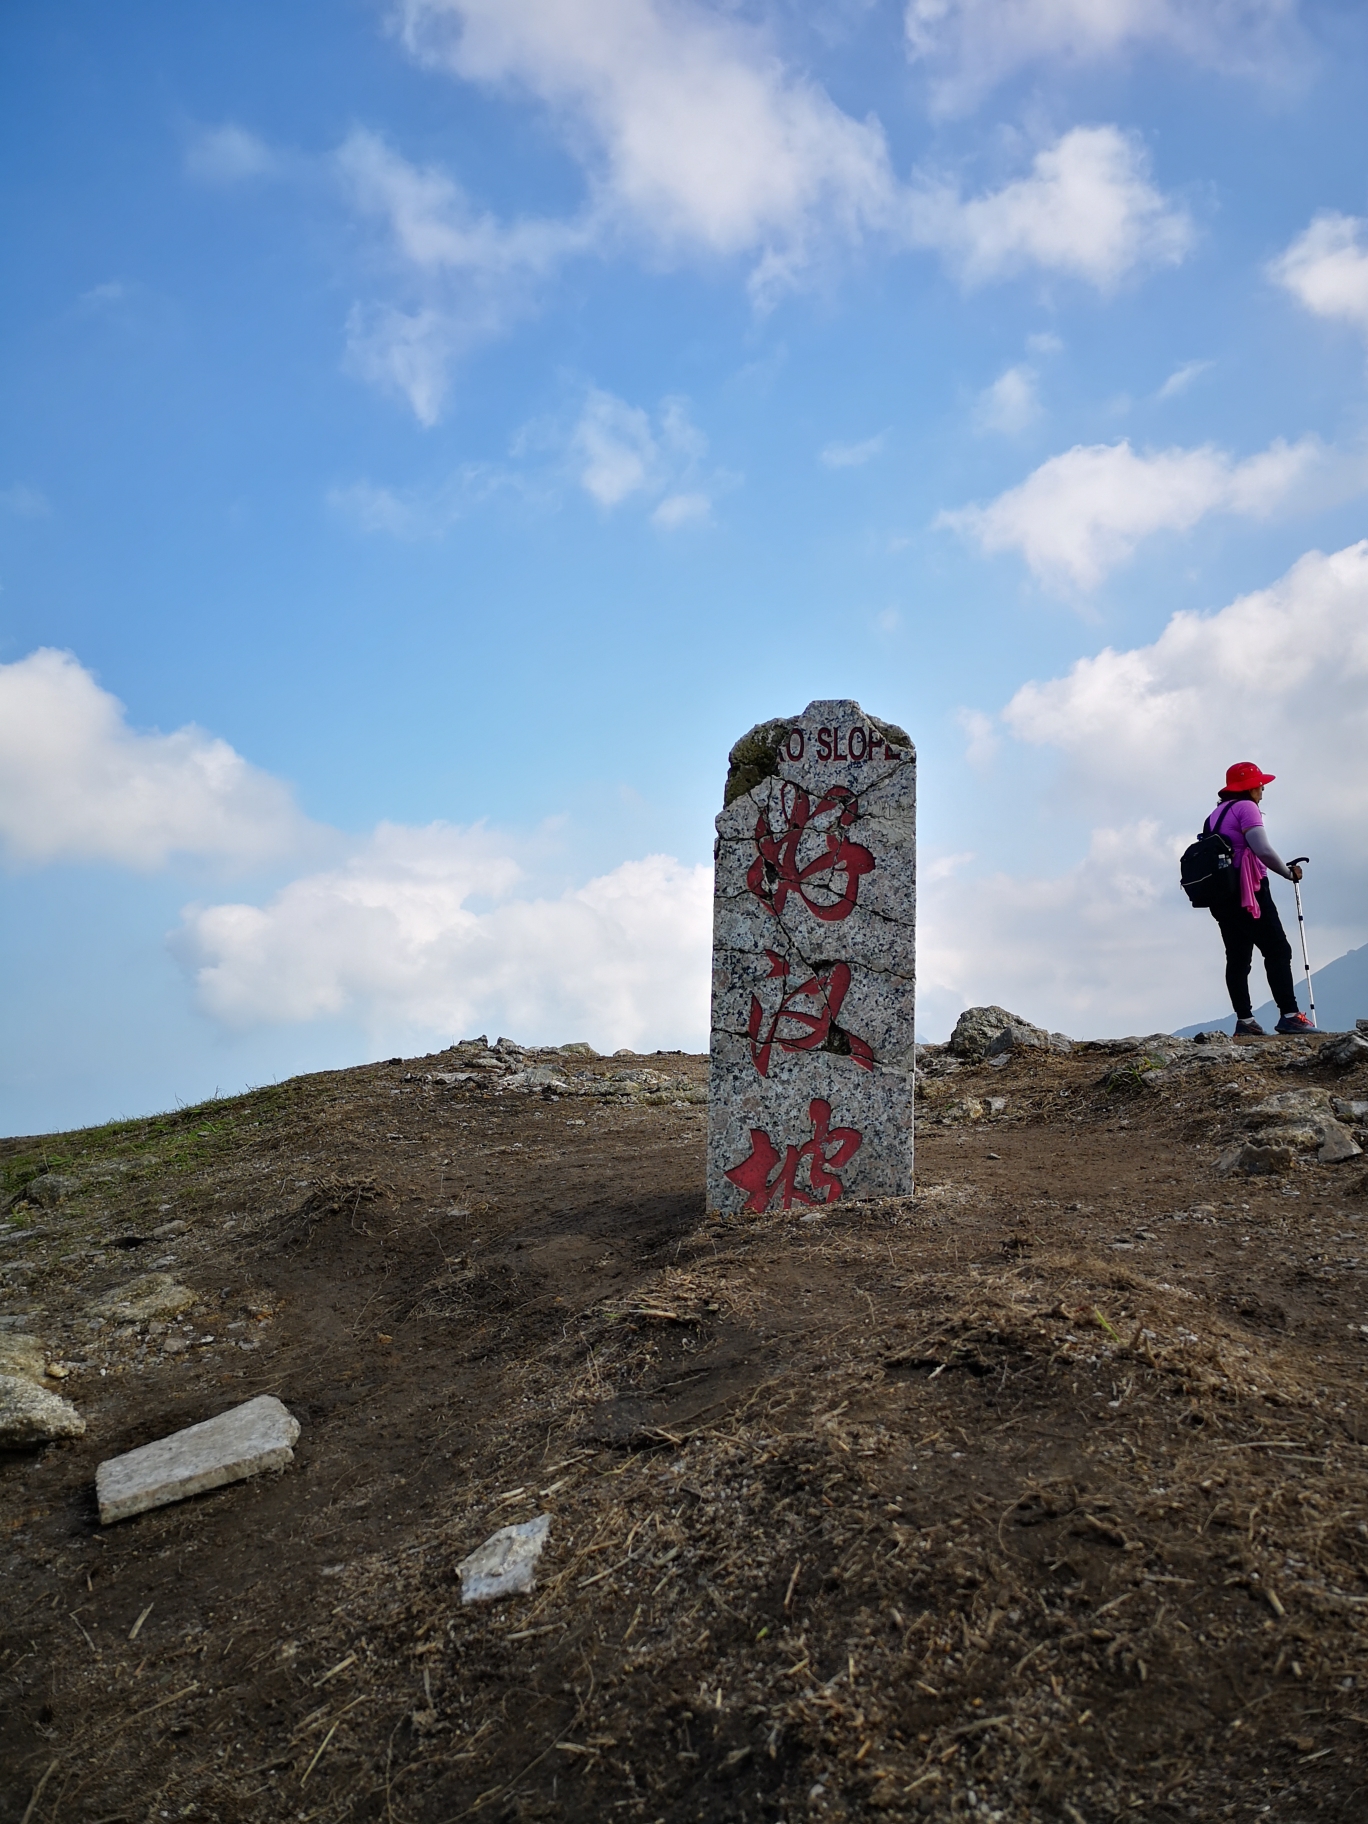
{"x": 30, "y": 1414}
{"x": 578, "y": 1048}
{"x": 1349, "y": 1111}
{"x": 1351, "y": 1049}
{"x": 167, "y": 1229}
{"x": 1290, "y": 1105}
{"x": 1017, "y": 1036}
{"x": 505, "y": 1563}
{"x": 150, "y": 1295}
{"x": 539, "y": 1076}
{"x": 1337, "y": 1144}
{"x": 1256, "y": 1159}
{"x": 1303, "y": 1139}
{"x": 239, "y": 1443}
{"x": 50, "y": 1189}
{"x": 24, "y": 1356}
{"x": 814, "y": 946}
{"x": 967, "y": 1108}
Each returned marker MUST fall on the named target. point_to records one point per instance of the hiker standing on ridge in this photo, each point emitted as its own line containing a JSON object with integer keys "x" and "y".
{"x": 1254, "y": 922}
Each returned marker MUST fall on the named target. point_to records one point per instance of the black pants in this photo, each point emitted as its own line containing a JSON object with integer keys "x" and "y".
{"x": 1242, "y": 935}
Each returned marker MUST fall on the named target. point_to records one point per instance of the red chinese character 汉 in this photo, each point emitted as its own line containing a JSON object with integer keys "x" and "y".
{"x": 817, "y": 1029}
{"x": 828, "y": 1150}
{"x": 779, "y": 869}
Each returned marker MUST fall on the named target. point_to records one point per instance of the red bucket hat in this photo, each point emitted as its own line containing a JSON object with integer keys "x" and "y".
{"x": 1244, "y": 776}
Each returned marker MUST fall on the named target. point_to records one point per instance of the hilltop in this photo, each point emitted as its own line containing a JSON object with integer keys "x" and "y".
{"x": 1037, "y": 1496}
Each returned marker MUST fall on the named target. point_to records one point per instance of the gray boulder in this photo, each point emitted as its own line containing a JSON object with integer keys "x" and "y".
{"x": 52, "y": 1188}
{"x": 29, "y": 1414}
{"x": 1351, "y": 1049}
{"x": 1249, "y": 1156}
{"x": 977, "y": 1028}
{"x": 991, "y": 1032}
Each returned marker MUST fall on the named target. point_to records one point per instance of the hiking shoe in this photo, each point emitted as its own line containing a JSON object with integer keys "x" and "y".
{"x": 1294, "y": 1022}
{"x": 1249, "y": 1029}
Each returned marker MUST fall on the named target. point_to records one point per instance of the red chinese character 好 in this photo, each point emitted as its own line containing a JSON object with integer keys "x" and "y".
{"x": 828, "y": 1150}
{"x": 779, "y": 870}
{"x": 824, "y": 993}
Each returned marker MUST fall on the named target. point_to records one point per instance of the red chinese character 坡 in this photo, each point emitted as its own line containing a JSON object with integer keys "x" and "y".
{"x": 778, "y": 869}
{"x": 758, "y": 1176}
{"x": 825, "y": 992}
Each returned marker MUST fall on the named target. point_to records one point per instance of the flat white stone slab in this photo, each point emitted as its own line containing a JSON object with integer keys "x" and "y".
{"x": 504, "y": 1564}
{"x": 240, "y": 1443}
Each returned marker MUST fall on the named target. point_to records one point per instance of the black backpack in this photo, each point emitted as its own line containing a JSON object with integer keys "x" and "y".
{"x": 1207, "y": 870}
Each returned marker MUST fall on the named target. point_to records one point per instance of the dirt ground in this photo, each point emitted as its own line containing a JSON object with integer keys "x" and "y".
{"x": 1039, "y": 1496}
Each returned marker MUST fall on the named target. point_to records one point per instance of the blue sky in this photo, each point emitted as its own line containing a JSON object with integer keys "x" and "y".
{"x": 432, "y": 432}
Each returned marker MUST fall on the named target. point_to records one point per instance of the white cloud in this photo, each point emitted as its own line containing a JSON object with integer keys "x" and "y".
{"x": 1011, "y": 403}
{"x": 392, "y": 939}
{"x": 425, "y": 512}
{"x": 1144, "y": 736}
{"x": 1283, "y": 671}
{"x": 1326, "y": 268}
{"x": 112, "y": 291}
{"x": 697, "y": 141}
{"x": 971, "y": 45}
{"x": 617, "y": 451}
{"x": 471, "y": 275}
{"x": 694, "y": 135}
{"x": 25, "y": 503}
{"x": 854, "y": 455}
{"x": 682, "y": 510}
{"x": 1081, "y": 514}
{"x": 984, "y": 741}
{"x": 1087, "y": 209}
{"x": 1099, "y": 950}
{"x": 229, "y": 155}
{"x": 78, "y": 784}
{"x": 1182, "y": 378}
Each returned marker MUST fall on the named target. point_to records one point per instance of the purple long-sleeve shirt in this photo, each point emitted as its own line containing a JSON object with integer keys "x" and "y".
{"x": 1243, "y": 828}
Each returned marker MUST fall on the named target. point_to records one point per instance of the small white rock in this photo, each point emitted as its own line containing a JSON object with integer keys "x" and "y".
{"x": 504, "y": 1564}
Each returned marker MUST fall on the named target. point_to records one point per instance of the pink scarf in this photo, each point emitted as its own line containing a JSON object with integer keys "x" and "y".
{"x": 1252, "y": 873}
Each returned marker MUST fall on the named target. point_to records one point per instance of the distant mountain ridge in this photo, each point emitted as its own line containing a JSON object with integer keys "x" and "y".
{"x": 1341, "y": 997}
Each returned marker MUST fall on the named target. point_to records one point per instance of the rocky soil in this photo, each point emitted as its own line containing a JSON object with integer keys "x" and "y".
{"x": 1038, "y": 1496}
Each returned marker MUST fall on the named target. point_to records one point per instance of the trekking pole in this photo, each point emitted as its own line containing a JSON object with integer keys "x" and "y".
{"x": 1296, "y": 862}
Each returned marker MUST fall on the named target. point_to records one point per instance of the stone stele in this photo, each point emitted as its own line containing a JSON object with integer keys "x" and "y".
{"x": 241, "y": 1442}
{"x": 814, "y": 978}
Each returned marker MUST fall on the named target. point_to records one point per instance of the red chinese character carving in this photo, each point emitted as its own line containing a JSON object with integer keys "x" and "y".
{"x": 818, "y": 1029}
{"x": 757, "y": 1175}
{"x": 778, "y": 869}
